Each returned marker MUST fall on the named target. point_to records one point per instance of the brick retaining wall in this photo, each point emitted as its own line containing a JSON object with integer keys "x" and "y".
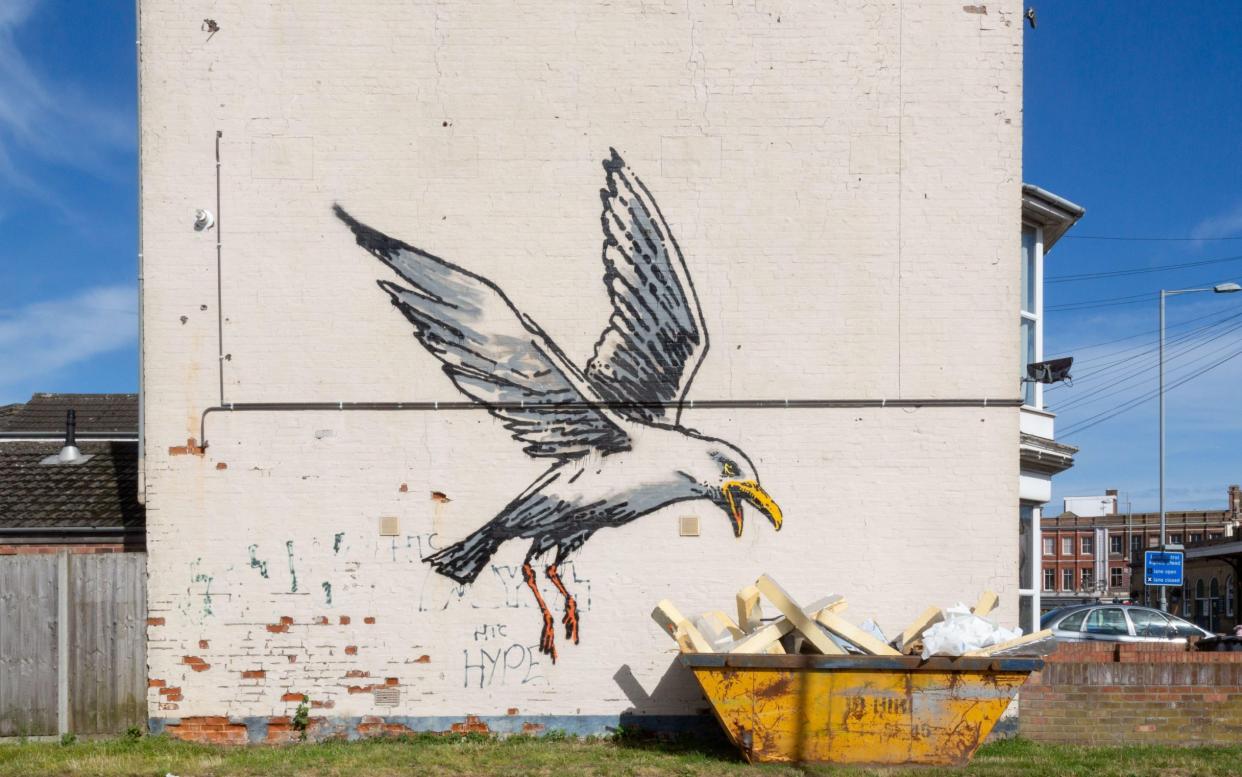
{"x": 1097, "y": 693}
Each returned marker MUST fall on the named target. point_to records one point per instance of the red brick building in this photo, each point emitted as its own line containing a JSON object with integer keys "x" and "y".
{"x": 1089, "y": 558}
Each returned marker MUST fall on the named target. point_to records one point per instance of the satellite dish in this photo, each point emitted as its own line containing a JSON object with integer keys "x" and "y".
{"x": 1051, "y": 371}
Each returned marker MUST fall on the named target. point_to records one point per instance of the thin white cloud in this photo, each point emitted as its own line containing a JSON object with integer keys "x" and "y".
{"x": 51, "y": 122}
{"x": 1227, "y": 224}
{"x": 43, "y": 337}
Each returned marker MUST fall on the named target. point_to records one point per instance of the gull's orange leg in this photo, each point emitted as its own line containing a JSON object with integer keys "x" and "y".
{"x": 571, "y": 606}
{"x": 547, "y": 640}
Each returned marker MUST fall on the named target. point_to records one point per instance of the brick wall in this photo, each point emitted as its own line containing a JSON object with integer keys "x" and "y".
{"x": 1096, "y": 693}
{"x": 22, "y": 550}
{"x": 844, "y": 181}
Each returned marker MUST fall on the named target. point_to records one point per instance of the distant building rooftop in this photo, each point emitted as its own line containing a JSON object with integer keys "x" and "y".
{"x": 99, "y": 416}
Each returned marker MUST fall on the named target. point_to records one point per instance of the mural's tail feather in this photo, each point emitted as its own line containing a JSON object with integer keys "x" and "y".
{"x": 463, "y": 561}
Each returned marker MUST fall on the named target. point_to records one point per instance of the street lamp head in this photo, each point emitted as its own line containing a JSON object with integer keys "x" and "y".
{"x": 1226, "y": 288}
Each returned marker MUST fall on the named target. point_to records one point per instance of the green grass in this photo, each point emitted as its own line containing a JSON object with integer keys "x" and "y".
{"x": 560, "y": 756}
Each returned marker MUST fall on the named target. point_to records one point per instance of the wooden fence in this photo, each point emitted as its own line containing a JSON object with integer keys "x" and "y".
{"x": 72, "y": 644}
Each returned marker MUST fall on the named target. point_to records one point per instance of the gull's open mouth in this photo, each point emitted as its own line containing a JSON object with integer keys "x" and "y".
{"x": 738, "y": 491}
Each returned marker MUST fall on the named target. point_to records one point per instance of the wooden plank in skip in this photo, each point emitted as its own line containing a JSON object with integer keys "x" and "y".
{"x": 803, "y": 622}
{"x": 749, "y": 611}
{"x": 906, "y": 639}
{"x": 866, "y": 641}
{"x": 671, "y": 621}
{"x": 988, "y": 601}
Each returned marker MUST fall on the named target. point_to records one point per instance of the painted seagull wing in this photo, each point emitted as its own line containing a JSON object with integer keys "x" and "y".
{"x": 656, "y": 338}
{"x": 493, "y": 353}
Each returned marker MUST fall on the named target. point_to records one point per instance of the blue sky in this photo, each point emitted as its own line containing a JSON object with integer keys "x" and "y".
{"x": 1131, "y": 110}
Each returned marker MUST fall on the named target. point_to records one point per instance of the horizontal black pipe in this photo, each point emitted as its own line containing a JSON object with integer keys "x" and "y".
{"x": 703, "y": 404}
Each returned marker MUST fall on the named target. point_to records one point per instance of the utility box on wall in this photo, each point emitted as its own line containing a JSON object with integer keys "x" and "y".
{"x": 637, "y": 265}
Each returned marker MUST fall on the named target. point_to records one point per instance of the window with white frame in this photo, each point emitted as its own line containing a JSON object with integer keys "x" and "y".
{"x": 1067, "y": 580}
{"x": 1050, "y": 579}
{"x": 1088, "y": 580}
{"x": 1032, "y": 293}
{"x": 1049, "y": 546}
{"x": 1114, "y": 577}
{"x": 1115, "y": 543}
{"x": 1067, "y": 546}
{"x": 1088, "y": 545}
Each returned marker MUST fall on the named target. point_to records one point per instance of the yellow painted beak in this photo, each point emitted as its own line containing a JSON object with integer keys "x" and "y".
{"x": 737, "y": 491}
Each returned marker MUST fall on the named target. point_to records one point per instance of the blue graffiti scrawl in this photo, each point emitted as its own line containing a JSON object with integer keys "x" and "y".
{"x": 598, "y": 426}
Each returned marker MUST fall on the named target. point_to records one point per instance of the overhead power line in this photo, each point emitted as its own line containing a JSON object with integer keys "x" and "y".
{"x": 1129, "y": 299}
{"x": 1091, "y": 346}
{"x": 1090, "y": 276}
{"x": 1106, "y": 415}
{"x": 1118, "y": 386}
{"x": 1147, "y": 239}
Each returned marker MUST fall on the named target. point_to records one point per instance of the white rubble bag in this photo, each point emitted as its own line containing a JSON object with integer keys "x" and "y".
{"x": 962, "y": 631}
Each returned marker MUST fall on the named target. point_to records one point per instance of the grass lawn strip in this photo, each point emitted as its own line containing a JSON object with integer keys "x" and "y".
{"x": 559, "y": 756}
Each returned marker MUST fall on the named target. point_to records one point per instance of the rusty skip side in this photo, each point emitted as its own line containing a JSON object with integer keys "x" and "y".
{"x": 858, "y": 710}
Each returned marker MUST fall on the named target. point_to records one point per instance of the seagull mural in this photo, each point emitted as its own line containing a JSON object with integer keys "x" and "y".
{"x": 612, "y": 432}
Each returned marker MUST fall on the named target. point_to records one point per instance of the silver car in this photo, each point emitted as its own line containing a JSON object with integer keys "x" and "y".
{"x": 1118, "y": 623}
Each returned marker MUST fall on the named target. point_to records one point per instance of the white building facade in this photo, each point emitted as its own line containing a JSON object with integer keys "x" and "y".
{"x": 844, "y": 184}
{"x": 1045, "y": 219}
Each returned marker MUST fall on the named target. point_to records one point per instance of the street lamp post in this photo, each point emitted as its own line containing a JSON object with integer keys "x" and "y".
{"x": 1220, "y": 288}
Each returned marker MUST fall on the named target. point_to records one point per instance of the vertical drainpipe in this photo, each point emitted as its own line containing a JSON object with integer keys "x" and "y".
{"x": 142, "y": 470}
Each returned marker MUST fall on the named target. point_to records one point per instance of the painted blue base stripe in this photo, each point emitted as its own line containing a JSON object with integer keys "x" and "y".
{"x": 504, "y": 725}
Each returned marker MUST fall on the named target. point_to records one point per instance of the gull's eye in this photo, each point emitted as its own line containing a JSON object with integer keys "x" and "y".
{"x": 729, "y": 470}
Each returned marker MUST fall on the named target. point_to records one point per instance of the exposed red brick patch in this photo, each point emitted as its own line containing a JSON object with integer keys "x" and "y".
{"x": 532, "y": 728}
{"x": 210, "y": 729}
{"x": 439, "y": 496}
{"x": 369, "y": 620}
{"x": 156, "y": 683}
{"x": 320, "y": 620}
{"x": 222, "y": 465}
{"x": 391, "y": 681}
{"x": 171, "y": 694}
{"x": 282, "y": 627}
{"x": 298, "y": 697}
{"x": 351, "y": 650}
{"x": 344, "y": 620}
{"x": 254, "y": 674}
{"x": 280, "y": 731}
{"x": 168, "y": 691}
{"x": 202, "y": 644}
{"x": 356, "y": 689}
{"x": 371, "y": 726}
{"x": 155, "y": 621}
{"x": 513, "y": 710}
{"x": 404, "y": 488}
{"x": 1145, "y": 729}
{"x": 322, "y": 705}
{"x": 471, "y": 725}
{"x": 195, "y": 663}
{"x": 357, "y": 673}
{"x": 423, "y": 659}
{"x": 190, "y": 448}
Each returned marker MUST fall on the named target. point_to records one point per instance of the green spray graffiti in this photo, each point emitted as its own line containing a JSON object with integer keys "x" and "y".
{"x": 327, "y": 591}
{"x": 292, "y": 572}
{"x": 336, "y": 542}
{"x": 202, "y": 578}
{"x": 255, "y": 563}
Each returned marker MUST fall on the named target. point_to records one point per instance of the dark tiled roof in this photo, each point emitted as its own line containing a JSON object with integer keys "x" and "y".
{"x": 96, "y": 414}
{"x": 101, "y": 492}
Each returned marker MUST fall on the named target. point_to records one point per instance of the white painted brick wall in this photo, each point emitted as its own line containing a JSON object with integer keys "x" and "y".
{"x": 844, "y": 179}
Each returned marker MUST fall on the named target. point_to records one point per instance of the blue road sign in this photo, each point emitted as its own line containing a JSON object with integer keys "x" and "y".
{"x": 1162, "y": 568}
